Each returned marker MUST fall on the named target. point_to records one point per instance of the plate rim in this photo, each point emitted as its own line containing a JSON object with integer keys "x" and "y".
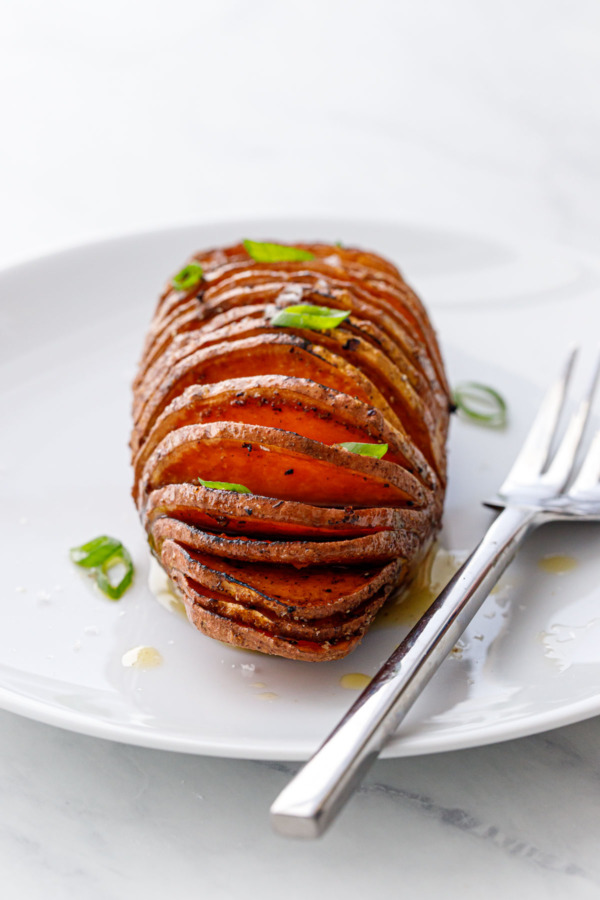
{"x": 398, "y": 747}
{"x": 425, "y": 225}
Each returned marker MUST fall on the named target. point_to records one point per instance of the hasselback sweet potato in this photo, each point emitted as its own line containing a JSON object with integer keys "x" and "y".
{"x": 289, "y": 473}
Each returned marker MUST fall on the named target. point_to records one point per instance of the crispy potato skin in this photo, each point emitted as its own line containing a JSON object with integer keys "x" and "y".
{"x": 299, "y": 566}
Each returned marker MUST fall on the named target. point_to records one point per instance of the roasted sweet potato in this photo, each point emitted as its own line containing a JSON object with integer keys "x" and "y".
{"x": 284, "y": 465}
{"x": 327, "y": 628}
{"x": 276, "y": 354}
{"x": 251, "y": 637}
{"x": 285, "y": 591}
{"x": 417, "y": 420}
{"x": 298, "y": 560}
{"x": 290, "y": 404}
{"x": 381, "y": 546}
{"x": 233, "y": 513}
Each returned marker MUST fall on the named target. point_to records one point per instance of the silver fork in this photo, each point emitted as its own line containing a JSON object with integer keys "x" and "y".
{"x": 542, "y": 486}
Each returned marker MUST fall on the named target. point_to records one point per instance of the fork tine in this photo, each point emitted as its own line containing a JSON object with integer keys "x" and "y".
{"x": 535, "y": 451}
{"x": 589, "y": 473}
{"x": 563, "y": 463}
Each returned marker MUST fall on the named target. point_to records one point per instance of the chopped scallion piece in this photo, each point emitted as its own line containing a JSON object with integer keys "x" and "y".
{"x": 376, "y": 450}
{"x": 319, "y": 318}
{"x": 224, "y": 486}
{"x": 95, "y": 552}
{"x": 480, "y": 403}
{"x": 101, "y": 556}
{"x": 267, "y": 253}
{"x": 188, "y": 277}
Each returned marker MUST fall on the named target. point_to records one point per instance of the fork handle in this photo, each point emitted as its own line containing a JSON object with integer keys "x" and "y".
{"x": 311, "y": 801}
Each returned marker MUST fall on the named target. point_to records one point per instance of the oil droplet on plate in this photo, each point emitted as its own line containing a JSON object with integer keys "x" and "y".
{"x": 556, "y": 563}
{"x": 355, "y": 681}
{"x": 162, "y": 587}
{"x": 267, "y": 695}
{"x": 408, "y": 605}
{"x": 142, "y": 658}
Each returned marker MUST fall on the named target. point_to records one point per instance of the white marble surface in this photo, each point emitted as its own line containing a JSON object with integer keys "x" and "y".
{"x": 121, "y": 116}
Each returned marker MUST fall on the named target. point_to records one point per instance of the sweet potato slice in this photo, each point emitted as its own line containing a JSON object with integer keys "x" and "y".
{"x": 262, "y": 355}
{"x": 177, "y": 332}
{"x": 328, "y": 628}
{"x": 251, "y": 638}
{"x": 417, "y": 420}
{"x": 284, "y": 591}
{"x": 423, "y": 414}
{"x": 376, "y": 300}
{"x": 364, "y": 275}
{"x": 282, "y": 465}
{"x": 372, "y": 548}
{"x": 253, "y": 285}
{"x": 264, "y": 517}
{"x": 194, "y": 325}
{"x": 290, "y": 404}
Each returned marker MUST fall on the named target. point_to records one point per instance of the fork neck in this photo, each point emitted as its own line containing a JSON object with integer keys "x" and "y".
{"x": 499, "y": 545}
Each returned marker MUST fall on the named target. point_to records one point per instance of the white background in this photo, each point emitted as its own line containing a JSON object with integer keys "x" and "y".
{"x": 121, "y": 116}
{"x": 118, "y": 117}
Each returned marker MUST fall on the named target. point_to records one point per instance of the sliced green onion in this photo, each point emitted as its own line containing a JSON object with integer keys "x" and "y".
{"x": 103, "y": 580}
{"x": 224, "y": 486}
{"x": 376, "y": 450}
{"x": 101, "y": 555}
{"x": 319, "y": 318}
{"x": 275, "y": 252}
{"x": 188, "y": 277}
{"x": 94, "y": 552}
{"x": 481, "y": 404}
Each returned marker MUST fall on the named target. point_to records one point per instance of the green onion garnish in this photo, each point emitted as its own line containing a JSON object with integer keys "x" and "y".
{"x": 188, "y": 277}
{"x": 224, "y": 486}
{"x": 376, "y": 450}
{"x": 319, "y": 318}
{"x": 275, "y": 252}
{"x": 480, "y": 403}
{"x": 100, "y": 556}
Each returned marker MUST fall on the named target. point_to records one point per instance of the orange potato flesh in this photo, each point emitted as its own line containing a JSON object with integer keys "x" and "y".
{"x": 288, "y": 404}
{"x": 263, "y": 355}
{"x": 268, "y": 467}
{"x": 395, "y": 387}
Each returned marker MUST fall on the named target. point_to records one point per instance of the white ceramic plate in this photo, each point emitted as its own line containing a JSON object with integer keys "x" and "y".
{"x": 72, "y": 328}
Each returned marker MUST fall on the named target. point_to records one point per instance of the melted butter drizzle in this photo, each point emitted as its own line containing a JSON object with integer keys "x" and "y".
{"x": 355, "y": 681}
{"x": 161, "y": 587}
{"x": 557, "y": 563}
{"x": 142, "y": 658}
{"x": 407, "y": 605}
